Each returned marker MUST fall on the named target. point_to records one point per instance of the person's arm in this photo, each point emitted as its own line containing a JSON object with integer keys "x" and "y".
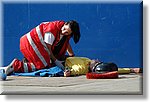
{"x": 51, "y": 53}
{"x": 70, "y": 51}
{"x": 57, "y": 62}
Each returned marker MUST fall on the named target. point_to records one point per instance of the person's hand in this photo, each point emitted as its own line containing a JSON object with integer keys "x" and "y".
{"x": 59, "y": 64}
{"x": 67, "y": 73}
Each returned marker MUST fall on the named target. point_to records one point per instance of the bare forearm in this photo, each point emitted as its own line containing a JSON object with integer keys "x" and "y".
{"x": 70, "y": 51}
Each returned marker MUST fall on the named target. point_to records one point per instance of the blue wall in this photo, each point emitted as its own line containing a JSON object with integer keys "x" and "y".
{"x": 110, "y": 32}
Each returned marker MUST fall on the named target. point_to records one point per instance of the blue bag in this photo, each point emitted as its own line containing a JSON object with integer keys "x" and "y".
{"x": 51, "y": 72}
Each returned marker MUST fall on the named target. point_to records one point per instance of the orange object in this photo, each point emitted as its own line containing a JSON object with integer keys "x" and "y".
{"x": 107, "y": 75}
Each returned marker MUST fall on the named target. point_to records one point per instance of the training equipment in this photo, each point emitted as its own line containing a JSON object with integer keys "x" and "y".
{"x": 103, "y": 71}
{"x": 108, "y": 75}
{"x": 101, "y": 67}
{"x": 77, "y": 65}
{"x": 3, "y": 76}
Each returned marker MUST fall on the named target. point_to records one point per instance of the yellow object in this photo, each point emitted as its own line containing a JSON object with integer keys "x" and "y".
{"x": 123, "y": 70}
{"x": 80, "y": 65}
{"x": 77, "y": 65}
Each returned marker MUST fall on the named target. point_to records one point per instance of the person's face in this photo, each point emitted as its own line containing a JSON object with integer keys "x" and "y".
{"x": 65, "y": 30}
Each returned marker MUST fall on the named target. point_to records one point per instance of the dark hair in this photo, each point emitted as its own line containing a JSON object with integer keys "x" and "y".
{"x": 75, "y": 30}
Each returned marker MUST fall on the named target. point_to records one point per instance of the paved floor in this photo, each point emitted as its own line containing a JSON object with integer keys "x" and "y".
{"x": 125, "y": 84}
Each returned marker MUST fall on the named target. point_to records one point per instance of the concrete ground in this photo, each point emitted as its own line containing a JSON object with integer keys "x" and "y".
{"x": 125, "y": 84}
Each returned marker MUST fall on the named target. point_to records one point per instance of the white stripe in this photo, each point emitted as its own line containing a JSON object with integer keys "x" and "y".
{"x": 36, "y": 49}
{"x": 45, "y": 22}
{"x": 41, "y": 39}
{"x": 25, "y": 66}
{"x": 33, "y": 67}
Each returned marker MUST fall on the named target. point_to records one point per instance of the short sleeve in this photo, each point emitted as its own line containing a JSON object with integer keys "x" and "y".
{"x": 49, "y": 38}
